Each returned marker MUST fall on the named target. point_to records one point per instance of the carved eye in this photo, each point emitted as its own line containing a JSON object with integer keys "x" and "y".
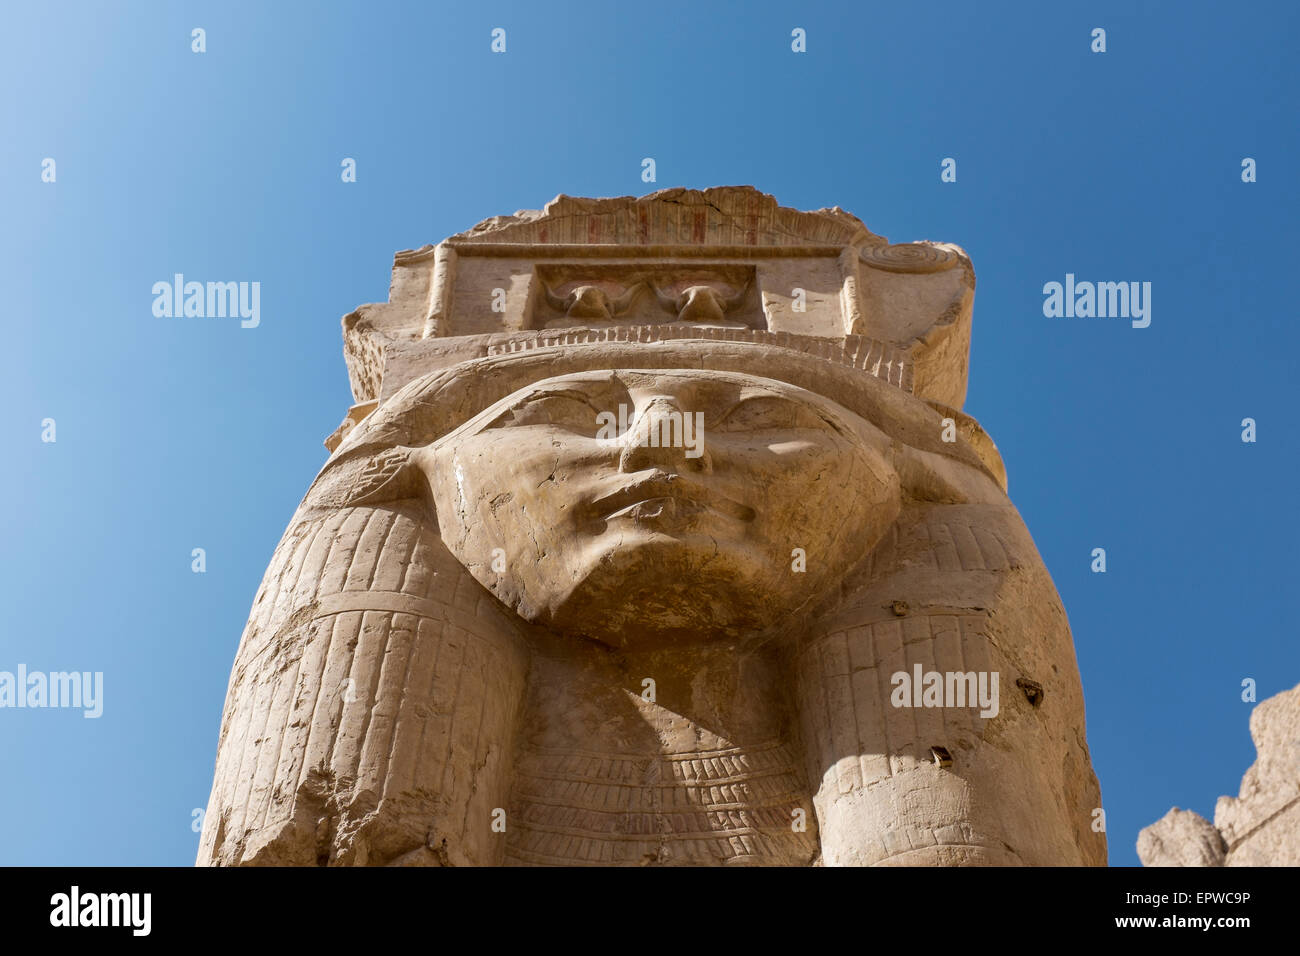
{"x": 763, "y": 413}
{"x": 571, "y": 411}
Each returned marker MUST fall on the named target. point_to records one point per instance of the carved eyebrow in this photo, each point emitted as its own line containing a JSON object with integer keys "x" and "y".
{"x": 572, "y": 394}
{"x": 796, "y": 407}
{"x": 575, "y": 394}
{"x": 755, "y": 397}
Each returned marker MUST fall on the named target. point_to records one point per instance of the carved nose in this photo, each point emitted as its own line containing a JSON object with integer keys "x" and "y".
{"x": 664, "y": 436}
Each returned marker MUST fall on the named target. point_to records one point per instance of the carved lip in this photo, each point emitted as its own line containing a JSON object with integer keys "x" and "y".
{"x": 679, "y": 495}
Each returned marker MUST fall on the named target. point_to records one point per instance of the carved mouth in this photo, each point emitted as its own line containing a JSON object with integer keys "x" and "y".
{"x": 663, "y": 495}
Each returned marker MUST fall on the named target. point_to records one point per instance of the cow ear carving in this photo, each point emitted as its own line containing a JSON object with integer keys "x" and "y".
{"x": 927, "y": 476}
{"x": 387, "y": 476}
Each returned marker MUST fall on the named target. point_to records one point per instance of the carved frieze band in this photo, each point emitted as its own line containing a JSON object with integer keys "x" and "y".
{"x": 880, "y": 359}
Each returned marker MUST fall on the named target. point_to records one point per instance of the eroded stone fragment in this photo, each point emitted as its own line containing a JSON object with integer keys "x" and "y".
{"x": 1181, "y": 838}
{"x": 1258, "y": 827}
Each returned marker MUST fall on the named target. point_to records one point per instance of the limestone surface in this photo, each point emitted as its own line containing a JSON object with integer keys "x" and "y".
{"x": 657, "y": 536}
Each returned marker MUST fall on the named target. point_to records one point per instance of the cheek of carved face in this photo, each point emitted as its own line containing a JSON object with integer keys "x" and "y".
{"x": 630, "y": 506}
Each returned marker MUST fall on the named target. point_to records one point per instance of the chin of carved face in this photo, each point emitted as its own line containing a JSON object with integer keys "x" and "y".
{"x": 636, "y": 506}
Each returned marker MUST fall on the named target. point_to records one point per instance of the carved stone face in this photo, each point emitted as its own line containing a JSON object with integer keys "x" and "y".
{"x": 651, "y": 506}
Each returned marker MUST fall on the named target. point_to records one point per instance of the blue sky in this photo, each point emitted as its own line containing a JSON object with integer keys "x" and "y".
{"x": 174, "y": 434}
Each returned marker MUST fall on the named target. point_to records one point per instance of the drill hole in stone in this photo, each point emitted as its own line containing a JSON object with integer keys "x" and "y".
{"x": 1032, "y": 689}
